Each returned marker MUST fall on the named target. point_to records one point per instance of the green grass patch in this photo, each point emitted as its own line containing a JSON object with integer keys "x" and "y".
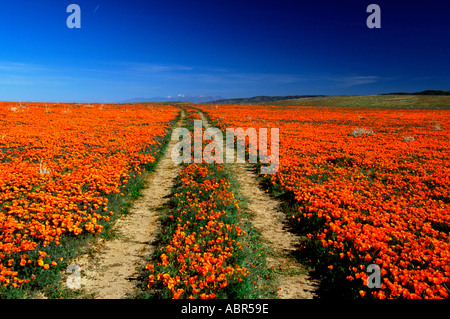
{"x": 369, "y": 101}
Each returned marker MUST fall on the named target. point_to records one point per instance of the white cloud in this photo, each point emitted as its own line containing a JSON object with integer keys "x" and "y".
{"x": 96, "y": 8}
{"x": 130, "y": 79}
{"x": 349, "y": 81}
{"x": 20, "y": 67}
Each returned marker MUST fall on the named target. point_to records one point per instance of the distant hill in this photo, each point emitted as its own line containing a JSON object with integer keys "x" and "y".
{"x": 426, "y": 92}
{"x": 257, "y": 99}
{"x": 268, "y": 99}
{"x": 179, "y": 97}
{"x": 261, "y": 99}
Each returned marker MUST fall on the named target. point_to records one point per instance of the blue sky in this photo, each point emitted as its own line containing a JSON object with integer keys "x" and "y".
{"x": 128, "y": 49}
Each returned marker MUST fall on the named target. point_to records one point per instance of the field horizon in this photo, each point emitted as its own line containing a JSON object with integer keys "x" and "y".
{"x": 381, "y": 101}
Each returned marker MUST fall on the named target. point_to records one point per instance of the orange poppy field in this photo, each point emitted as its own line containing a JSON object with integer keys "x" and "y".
{"x": 364, "y": 186}
{"x": 204, "y": 243}
{"x": 360, "y": 186}
{"x": 58, "y": 164}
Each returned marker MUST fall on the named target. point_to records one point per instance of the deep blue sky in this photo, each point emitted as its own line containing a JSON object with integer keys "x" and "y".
{"x": 128, "y": 49}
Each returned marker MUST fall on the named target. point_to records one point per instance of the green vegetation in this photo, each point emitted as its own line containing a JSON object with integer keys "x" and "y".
{"x": 382, "y": 101}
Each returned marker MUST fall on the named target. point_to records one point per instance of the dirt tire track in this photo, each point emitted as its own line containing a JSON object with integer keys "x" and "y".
{"x": 294, "y": 280}
{"x": 110, "y": 273}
